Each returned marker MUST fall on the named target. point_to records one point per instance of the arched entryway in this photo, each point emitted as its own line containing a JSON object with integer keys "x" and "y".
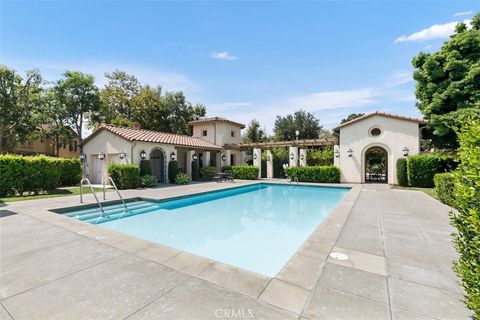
{"x": 376, "y": 165}
{"x": 158, "y": 163}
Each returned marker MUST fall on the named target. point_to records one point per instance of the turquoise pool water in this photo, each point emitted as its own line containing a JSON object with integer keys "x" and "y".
{"x": 256, "y": 227}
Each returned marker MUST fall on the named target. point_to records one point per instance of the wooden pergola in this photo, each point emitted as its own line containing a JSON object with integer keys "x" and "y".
{"x": 293, "y": 143}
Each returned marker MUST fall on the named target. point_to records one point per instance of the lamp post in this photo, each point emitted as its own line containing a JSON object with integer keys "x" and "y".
{"x": 83, "y": 158}
{"x": 297, "y": 133}
{"x": 405, "y": 151}
{"x": 101, "y": 157}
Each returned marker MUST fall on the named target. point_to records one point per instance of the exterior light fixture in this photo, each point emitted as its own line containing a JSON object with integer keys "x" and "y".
{"x": 122, "y": 155}
{"x": 83, "y": 157}
{"x": 173, "y": 156}
{"x": 143, "y": 154}
{"x": 224, "y": 158}
{"x": 194, "y": 157}
{"x": 297, "y": 133}
{"x": 302, "y": 157}
{"x": 292, "y": 156}
{"x": 405, "y": 151}
{"x": 337, "y": 153}
{"x": 254, "y": 156}
{"x": 268, "y": 158}
{"x": 350, "y": 152}
{"x": 101, "y": 156}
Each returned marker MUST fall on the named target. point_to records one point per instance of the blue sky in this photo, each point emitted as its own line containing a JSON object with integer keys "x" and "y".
{"x": 243, "y": 60}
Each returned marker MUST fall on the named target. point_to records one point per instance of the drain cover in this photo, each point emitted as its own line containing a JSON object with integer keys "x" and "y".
{"x": 339, "y": 256}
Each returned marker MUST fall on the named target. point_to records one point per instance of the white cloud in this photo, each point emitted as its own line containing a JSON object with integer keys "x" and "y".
{"x": 334, "y": 99}
{"x": 437, "y": 31}
{"x": 227, "y": 106}
{"x": 224, "y": 55}
{"x": 400, "y": 78}
{"x": 463, "y": 13}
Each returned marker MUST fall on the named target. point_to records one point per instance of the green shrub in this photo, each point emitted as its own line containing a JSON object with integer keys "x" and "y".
{"x": 467, "y": 219}
{"x": 182, "y": 178}
{"x": 421, "y": 169}
{"x": 195, "y": 171}
{"x": 125, "y": 176}
{"x": 316, "y": 157}
{"x": 324, "y": 174}
{"x": 148, "y": 180}
{"x": 172, "y": 171}
{"x": 227, "y": 169}
{"x": 70, "y": 171}
{"x": 444, "y": 185}
{"x": 145, "y": 167}
{"x": 402, "y": 177}
{"x": 208, "y": 173}
{"x": 244, "y": 172}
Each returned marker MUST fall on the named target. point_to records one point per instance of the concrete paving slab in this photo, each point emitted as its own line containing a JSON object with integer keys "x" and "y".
{"x": 198, "y": 299}
{"x": 360, "y": 260}
{"x": 329, "y": 303}
{"x": 301, "y": 271}
{"x": 111, "y": 290}
{"x": 243, "y": 281}
{"x": 188, "y": 263}
{"x": 4, "y": 315}
{"x": 158, "y": 253}
{"x": 357, "y": 282}
{"x": 400, "y": 314}
{"x": 285, "y": 295}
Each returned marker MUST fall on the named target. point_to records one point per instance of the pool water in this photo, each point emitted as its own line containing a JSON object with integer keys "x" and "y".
{"x": 257, "y": 227}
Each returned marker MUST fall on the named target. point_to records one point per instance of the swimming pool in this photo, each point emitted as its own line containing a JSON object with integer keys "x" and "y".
{"x": 257, "y": 227}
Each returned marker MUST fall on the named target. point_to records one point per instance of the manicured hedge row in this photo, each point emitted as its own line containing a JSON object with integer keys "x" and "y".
{"x": 244, "y": 172}
{"x": 125, "y": 176}
{"x": 23, "y": 174}
{"x": 402, "y": 177}
{"x": 422, "y": 168}
{"x": 208, "y": 173}
{"x": 445, "y": 187}
{"x": 172, "y": 171}
{"x": 325, "y": 174}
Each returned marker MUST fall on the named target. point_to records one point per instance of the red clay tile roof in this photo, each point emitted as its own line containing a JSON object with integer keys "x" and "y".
{"x": 383, "y": 114}
{"x": 143, "y": 135}
{"x": 216, "y": 119}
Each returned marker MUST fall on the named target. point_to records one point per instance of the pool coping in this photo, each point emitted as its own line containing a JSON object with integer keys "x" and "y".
{"x": 296, "y": 284}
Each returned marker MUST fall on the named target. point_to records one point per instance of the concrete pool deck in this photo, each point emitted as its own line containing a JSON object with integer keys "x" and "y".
{"x": 399, "y": 266}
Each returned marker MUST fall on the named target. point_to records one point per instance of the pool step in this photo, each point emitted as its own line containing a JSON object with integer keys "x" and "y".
{"x": 96, "y": 210}
{"x": 109, "y": 211}
{"x": 121, "y": 214}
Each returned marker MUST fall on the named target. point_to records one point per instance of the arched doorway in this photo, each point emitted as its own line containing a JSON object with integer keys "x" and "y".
{"x": 376, "y": 165}
{"x": 158, "y": 163}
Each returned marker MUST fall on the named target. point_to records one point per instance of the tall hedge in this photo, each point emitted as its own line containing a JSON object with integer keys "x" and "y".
{"x": 325, "y": 174}
{"x": 421, "y": 168}
{"x": 26, "y": 174}
{"x": 245, "y": 172}
{"x": 467, "y": 219}
{"x": 125, "y": 176}
{"x": 172, "y": 171}
{"x": 402, "y": 177}
{"x": 195, "y": 171}
{"x": 145, "y": 167}
{"x": 445, "y": 188}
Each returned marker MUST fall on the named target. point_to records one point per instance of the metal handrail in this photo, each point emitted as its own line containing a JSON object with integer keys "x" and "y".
{"x": 118, "y": 192}
{"x": 93, "y": 192}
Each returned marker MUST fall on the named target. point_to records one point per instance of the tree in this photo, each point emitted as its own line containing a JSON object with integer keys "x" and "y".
{"x": 19, "y": 106}
{"x": 305, "y": 122}
{"x": 79, "y": 96}
{"x": 254, "y": 132}
{"x": 448, "y": 83}
{"x": 352, "y": 116}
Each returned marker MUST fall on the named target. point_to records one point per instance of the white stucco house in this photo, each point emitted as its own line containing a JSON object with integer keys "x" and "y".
{"x": 377, "y": 133}
{"x": 114, "y": 144}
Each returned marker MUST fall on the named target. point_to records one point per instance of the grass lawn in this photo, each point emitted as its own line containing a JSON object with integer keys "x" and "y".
{"x": 430, "y": 191}
{"x": 73, "y": 191}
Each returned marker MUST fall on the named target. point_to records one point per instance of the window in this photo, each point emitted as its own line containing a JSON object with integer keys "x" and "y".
{"x": 204, "y": 133}
{"x": 232, "y": 133}
{"x": 375, "y": 132}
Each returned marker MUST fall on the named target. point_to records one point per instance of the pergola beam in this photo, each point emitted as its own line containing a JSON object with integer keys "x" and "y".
{"x": 294, "y": 143}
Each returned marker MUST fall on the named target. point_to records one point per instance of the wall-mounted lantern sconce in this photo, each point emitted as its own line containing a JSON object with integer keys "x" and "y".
{"x": 224, "y": 158}
{"x": 101, "y": 156}
{"x": 254, "y": 156}
{"x": 337, "y": 153}
{"x": 143, "y": 154}
{"x": 350, "y": 152}
{"x": 405, "y": 151}
{"x": 302, "y": 157}
{"x": 194, "y": 157}
{"x": 83, "y": 157}
{"x": 268, "y": 158}
{"x": 173, "y": 156}
{"x": 122, "y": 155}
{"x": 292, "y": 156}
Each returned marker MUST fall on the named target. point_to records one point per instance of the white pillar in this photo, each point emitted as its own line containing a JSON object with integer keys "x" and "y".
{"x": 336, "y": 160}
{"x": 269, "y": 164}
{"x": 188, "y": 160}
{"x": 206, "y": 158}
{"x": 243, "y": 154}
{"x": 257, "y": 160}
{"x": 293, "y": 156}
{"x": 303, "y": 157}
{"x": 227, "y": 161}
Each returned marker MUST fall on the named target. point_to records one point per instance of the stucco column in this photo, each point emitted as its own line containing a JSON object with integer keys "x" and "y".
{"x": 303, "y": 157}
{"x": 336, "y": 160}
{"x": 269, "y": 164}
{"x": 293, "y": 151}
{"x": 257, "y": 160}
{"x": 218, "y": 161}
{"x": 188, "y": 160}
{"x": 243, "y": 154}
{"x": 206, "y": 158}
{"x": 227, "y": 161}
